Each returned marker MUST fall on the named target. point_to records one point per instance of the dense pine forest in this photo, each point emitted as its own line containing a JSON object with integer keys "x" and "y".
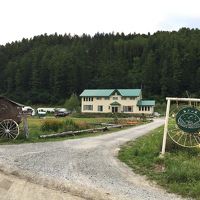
{"x": 47, "y": 69}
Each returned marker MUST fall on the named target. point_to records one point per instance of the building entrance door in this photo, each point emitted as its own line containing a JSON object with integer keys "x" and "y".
{"x": 114, "y": 109}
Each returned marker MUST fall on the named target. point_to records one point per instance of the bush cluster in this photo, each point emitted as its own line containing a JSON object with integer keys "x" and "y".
{"x": 67, "y": 125}
{"x": 106, "y": 115}
{"x": 70, "y": 125}
{"x": 51, "y": 125}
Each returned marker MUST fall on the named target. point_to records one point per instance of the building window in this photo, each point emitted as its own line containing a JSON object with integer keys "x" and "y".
{"x": 132, "y": 98}
{"x": 123, "y": 98}
{"x": 115, "y": 98}
{"x": 106, "y": 98}
{"x": 98, "y": 98}
{"x": 88, "y": 99}
{"x": 100, "y": 108}
{"x": 142, "y": 108}
{"x": 127, "y": 108}
{"x": 87, "y": 107}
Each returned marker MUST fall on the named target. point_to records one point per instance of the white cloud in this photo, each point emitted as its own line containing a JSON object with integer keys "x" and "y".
{"x": 26, "y": 18}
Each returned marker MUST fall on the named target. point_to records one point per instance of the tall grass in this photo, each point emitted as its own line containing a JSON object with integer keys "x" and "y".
{"x": 54, "y": 125}
{"x": 178, "y": 171}
{"x": 66, "y": 125}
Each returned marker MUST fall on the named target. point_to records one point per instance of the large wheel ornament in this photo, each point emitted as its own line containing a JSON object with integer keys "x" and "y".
{"x": 9, "y": 129}
{"x": 184, "y": 127}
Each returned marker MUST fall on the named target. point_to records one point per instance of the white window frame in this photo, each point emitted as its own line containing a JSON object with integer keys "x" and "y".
{"x": 126, "y": 109}
{"x": 87, "y": 107}
{"x": 100, "y": 108}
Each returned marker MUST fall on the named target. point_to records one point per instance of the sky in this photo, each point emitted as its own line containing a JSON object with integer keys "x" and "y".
{"x": 28, "y": 18}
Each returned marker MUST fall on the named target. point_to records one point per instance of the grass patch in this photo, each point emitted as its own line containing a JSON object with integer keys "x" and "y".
{"x": 178, "y": 171}
{"x": 39, "y": 126}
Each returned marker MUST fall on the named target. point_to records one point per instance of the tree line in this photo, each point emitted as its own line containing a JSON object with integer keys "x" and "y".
{"x": 47, "y": 69}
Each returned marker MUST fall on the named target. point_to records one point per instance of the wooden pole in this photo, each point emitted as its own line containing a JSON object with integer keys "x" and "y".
{"x": 25, "y": 125}
{"x": 80, "y": 131}
{"x": 165, "y": 127}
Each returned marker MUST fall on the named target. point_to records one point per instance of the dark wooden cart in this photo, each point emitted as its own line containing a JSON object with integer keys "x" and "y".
{"x": 10, "y": 118}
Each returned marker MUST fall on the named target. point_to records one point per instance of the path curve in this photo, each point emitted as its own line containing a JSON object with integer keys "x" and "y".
{"x": 88, "y": 165}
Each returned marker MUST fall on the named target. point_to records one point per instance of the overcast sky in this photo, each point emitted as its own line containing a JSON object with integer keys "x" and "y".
{"x": 27, "y": 18}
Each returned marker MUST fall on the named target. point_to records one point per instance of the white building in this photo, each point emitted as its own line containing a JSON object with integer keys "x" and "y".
{"x": 115, "y": 101}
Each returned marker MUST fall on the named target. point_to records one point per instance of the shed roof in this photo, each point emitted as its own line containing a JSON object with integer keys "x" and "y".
{"x": 13, "y": 102}
{"x": 108, "y": 92}
{"x": 146, "y": 103}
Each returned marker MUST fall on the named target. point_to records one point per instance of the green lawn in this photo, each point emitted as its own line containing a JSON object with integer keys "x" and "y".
{"x": 178, "y": 171}
{"x": 70, "y": 123}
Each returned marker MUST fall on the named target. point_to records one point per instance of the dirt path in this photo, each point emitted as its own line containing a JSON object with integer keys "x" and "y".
{"x": 13, "y": 188}
{"x": 87, "y": 167}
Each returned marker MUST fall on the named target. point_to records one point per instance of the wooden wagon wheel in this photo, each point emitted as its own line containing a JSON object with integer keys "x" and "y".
{"x": 184, "y": 139}
{"x": 184, "y": 127}
{"x": 9, "y": 129}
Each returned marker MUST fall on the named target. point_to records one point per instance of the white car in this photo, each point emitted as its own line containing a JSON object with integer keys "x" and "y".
{"x": 28, "y": 110}
{"x": 41, "y": 111}
{"x": 156, "y": 114}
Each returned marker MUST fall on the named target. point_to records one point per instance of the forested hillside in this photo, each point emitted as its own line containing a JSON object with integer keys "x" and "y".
{"x": 48, "y": 69}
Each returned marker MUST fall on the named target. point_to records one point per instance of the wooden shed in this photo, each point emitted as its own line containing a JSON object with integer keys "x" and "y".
{"x": 10, "y": 110}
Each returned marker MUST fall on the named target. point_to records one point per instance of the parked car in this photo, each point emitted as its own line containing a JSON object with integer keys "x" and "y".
{"x": 61, "y": 113}
{"x": 28, "y": 110}
{"x": 156, "y": 114}
{"x": 41, "y": 112}
{"x": 49, "y": 110}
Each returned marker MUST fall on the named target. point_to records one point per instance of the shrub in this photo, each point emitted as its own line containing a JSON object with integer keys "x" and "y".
{"x": 104, "y": 115}
{"x": 70, "y": 125}
{"x": 83, "y": 125}
{"x": 73, "y": 103}
{"x": 51, "y": 125}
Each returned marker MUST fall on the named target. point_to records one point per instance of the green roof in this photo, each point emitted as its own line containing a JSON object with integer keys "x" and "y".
{"x": 130, "y": 92}
{"x": 146, "y": 103}
{"x": 108, "y": 92}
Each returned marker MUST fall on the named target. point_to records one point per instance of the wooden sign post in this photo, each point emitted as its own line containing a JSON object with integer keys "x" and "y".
{"x": 169, "y": 100}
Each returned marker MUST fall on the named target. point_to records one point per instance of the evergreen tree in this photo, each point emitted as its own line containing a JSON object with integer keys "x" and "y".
{"x": 47, "y": 69}
{"x": 73, "y": 104}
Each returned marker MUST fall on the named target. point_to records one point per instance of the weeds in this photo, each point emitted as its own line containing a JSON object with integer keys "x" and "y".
{"x": 51, "y": 125}
{"x": 178, "y": 171}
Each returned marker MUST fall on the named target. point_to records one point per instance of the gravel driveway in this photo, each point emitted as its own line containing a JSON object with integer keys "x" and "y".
{"x": 87, "y": 164}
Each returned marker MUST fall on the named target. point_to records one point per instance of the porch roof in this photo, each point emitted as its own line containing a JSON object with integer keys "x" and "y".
{"x": 115, "y": 103}
{"x": 146, "y": 103}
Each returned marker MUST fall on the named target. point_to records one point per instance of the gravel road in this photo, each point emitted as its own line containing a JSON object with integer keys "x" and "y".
{"x": 87, "y": 164}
